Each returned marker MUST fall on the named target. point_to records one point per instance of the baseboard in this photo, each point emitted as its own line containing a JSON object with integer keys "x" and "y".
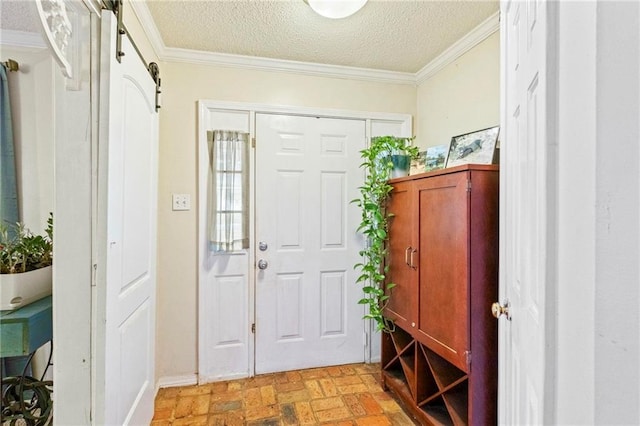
{"x": 173, "y": 381}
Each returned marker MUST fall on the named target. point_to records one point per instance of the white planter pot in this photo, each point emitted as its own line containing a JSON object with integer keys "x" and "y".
{"x": 17, "y": 290}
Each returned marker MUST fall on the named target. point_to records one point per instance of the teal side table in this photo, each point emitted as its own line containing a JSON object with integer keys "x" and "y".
{"x": 26, "y": 400}
{"x": 26, "y": 329}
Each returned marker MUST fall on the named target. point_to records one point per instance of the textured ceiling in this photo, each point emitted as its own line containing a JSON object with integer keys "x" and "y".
{"x": 19, "y": 15}
{"x": 393, "y": 35}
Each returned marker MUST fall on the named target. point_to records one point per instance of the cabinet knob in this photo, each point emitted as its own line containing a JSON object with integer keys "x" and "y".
{"x": 498, "y": 309}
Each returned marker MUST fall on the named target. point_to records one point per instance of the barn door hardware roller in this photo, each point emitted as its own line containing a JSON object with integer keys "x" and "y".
{"x": 116, "y": 6}
{"x": 154, "y": 70}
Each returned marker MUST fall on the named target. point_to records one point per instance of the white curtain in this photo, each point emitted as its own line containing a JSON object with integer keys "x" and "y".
{"x": 228, "y": 194}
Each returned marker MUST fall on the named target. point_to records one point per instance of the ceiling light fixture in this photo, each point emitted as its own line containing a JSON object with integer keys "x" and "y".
{"x": 336, "y": 9}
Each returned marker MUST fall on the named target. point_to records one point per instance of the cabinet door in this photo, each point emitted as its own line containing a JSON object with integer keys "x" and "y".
{"x": 402, "y": 305}
{"x": 444, "y": 272}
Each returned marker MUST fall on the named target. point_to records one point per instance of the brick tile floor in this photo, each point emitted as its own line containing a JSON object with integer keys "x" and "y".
{"x": 347, "y": 395}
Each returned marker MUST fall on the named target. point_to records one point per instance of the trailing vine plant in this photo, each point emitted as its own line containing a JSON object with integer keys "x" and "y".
{"x": 374, "y": 194}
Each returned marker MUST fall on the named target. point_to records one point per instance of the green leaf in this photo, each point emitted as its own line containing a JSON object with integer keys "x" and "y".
{"x": 362, "y": 278}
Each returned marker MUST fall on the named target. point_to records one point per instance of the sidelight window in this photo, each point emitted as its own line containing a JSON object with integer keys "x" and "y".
{"x": 228, "y": 200}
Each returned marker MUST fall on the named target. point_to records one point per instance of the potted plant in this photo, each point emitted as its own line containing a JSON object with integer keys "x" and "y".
{"x": 401, "y": 152}
{"x": 25, "y": 265}
{"x": 374, "y": 193}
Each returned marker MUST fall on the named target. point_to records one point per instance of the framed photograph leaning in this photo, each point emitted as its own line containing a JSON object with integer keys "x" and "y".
{"x": 476, "y": 147}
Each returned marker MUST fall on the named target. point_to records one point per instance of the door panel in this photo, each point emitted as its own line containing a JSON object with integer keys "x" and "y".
{"x": 444, "y": 258}
{"x": 524, "y": 215}
{"x": 400, "y": 245}
{"x": 127, "y": 224}
{"x": 224, "y": 297}
{"x": 306, "y": 299}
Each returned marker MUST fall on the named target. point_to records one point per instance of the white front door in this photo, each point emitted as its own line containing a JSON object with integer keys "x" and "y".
{"x": 307, "y": 311}
{"x": 127, "y": 209}
{"x": 526, "y": 215}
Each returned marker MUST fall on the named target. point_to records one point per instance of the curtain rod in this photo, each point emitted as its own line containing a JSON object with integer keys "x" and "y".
{"x": 12, "y": 65}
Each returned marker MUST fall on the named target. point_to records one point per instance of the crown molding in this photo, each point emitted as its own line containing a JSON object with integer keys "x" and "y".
{"x": 280, "y": 65}
{"x": 459, "y": 48}
{"x": 143, "y": 14}
{"x": 172, "y": 54}
{"x": 22, "y": 39}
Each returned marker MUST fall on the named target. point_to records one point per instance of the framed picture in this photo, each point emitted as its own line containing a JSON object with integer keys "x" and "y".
{"x": 431, "y": 159}
{"x": 476, "y": 147}
{"x": 417, "y": 164}
{"x": 435, "y": 157}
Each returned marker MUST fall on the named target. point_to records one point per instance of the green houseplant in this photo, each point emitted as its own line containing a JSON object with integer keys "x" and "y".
{"x": 25, "y": 264}
{"x": 374, "y": 193}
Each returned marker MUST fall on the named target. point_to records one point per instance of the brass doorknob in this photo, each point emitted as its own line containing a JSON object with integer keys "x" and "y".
{"x": 498, "y": 310}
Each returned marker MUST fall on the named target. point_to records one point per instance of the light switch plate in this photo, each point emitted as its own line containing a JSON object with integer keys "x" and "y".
{"x": 181, "y": 202}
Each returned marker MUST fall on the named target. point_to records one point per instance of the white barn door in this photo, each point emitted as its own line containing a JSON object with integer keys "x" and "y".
{"x": 127, "y": 210}
{"x": 307, "y": 311}
{"x": 526, "y": 212}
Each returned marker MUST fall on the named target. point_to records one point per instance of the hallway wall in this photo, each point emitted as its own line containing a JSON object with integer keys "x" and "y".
{"x": 598, "y": 303}
{"x": 183, "y": 85}
{"x": 464, "y": 96}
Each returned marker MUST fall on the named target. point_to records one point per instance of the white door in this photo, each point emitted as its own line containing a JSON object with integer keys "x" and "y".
{"x": 307, "y": 311}
{"x": 525, "y": 219}
{"x": 127, "y": 186}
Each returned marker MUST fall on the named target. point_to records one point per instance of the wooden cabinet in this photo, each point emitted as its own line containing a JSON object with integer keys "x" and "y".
{"x": 443, "y": 257}
{"x": 402, "y": 307}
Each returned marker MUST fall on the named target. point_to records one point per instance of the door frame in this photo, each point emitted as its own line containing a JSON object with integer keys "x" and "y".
{"x": 376, "y": 122}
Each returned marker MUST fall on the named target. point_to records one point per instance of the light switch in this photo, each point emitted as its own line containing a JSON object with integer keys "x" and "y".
{"x": 181, "y": 202}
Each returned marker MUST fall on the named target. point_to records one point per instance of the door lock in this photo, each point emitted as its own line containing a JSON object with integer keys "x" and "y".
{"x": 263, "y": 246}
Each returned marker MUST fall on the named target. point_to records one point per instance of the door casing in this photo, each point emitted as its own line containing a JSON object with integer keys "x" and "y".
{"x": 243, "y": 114}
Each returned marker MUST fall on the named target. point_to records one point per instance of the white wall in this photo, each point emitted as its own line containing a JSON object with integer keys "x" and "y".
{"x": 184, "y": 84}
{"x": 598, "y": 374}
{"x": 463, "y": 97}
{"x": 576, "y": 214}
{"x": 617, "y": 174}
{"x": 31, "y": 92}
